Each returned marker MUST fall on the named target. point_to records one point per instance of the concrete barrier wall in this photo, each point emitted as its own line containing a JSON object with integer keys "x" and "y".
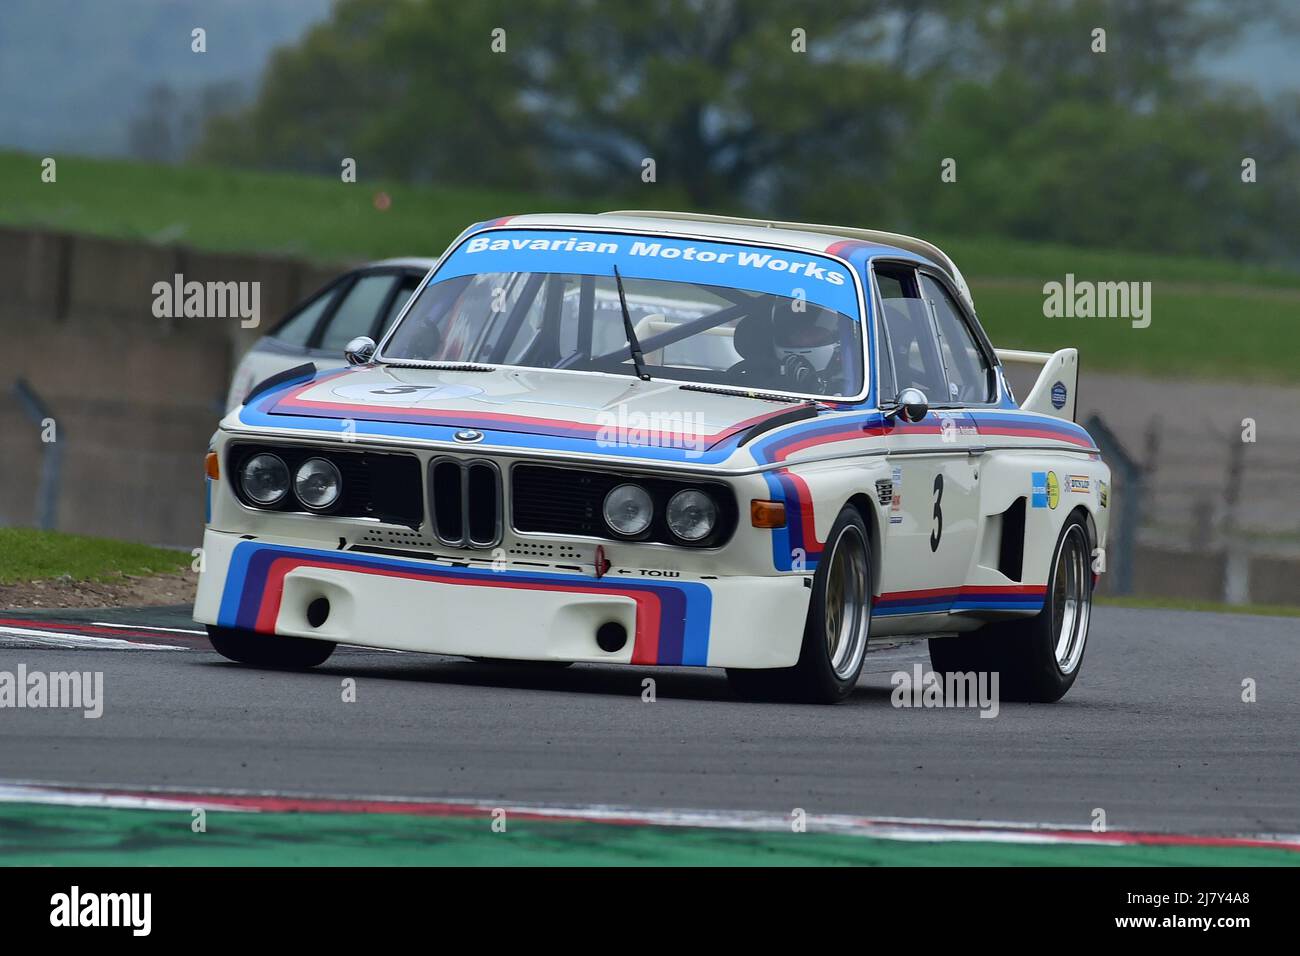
{"x": 135, "y": 397}
{"x": 1275, "y": 580}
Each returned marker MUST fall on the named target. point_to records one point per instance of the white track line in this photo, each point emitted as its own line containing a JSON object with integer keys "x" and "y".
{"x": 64, "y": 640}
{"x": 55, "y": 797}
{"x": 140, "y": 627}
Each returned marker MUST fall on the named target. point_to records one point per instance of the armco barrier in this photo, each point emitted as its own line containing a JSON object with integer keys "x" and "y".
{"x": 136, "y": 397}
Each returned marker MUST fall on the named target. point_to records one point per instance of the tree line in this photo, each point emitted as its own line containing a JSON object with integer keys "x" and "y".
{"x": 1080, "y": 121}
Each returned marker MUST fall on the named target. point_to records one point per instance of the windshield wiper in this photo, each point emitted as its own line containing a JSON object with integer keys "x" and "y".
{"x": 638, "y": 360}
{"x": 746, "y": 393}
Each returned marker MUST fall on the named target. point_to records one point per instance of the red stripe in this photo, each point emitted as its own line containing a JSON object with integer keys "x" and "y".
{"x": 36, "y": 624}
{"x": 1033, "y": 590}
{"x": 812, "y": 546}
{"x": 293, "y": 402}
{"x": 782, "y": 453}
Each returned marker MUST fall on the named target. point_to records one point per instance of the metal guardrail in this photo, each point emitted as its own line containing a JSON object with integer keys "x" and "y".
{"x": 47, "y": 492}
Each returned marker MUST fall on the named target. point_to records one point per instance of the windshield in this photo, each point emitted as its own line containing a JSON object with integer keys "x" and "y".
{"x": 771, "y": 333}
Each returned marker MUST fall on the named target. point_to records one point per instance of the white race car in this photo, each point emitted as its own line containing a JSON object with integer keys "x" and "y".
{"x": 666, "y": 439}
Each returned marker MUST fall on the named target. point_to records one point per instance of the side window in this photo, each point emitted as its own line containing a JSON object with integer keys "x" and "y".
{"x": 916, "y": 359}
{"x": 970, "y": 379}
{"x": 297, "y": 329}
{"x": 406, "y": 285}
{"x": 357, "y": 312}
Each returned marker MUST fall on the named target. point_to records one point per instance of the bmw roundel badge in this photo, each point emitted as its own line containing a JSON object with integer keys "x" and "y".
{"x": 468, "y": 436}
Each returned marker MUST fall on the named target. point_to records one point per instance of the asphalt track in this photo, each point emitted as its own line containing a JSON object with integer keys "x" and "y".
{"x": 1155, "y": 733}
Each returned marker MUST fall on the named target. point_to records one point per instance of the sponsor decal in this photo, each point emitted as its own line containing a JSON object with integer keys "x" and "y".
{"x": 1103, "y": 494}
{"x": 896, "y": 502}
{"x": 825, "y": 281}
{"x": 1079, "y": 484}
{"x": 1044, "y": 489}
{"x": 1058, "y": 395}
{"x": 1038, "y": 489}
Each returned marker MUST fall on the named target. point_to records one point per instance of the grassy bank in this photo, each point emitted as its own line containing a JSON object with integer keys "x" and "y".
{"x": 1211, "y": 607}
{"x": 1210, "y": 318}
{"x": 30, "y": 555}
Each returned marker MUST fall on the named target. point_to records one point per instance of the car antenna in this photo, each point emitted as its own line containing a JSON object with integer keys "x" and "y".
{"x": 638, "y": 360}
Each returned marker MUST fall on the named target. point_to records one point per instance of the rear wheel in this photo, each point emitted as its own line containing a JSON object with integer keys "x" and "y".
{"x": 838, "y": 623}
{"x": 268, "y": 650}
{"x": 1039, "y": 658}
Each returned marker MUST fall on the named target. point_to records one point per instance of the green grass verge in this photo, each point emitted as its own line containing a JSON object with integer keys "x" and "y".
{"x": 30, "y": 555}
{"x": 241, "y": 211}
{"x": 1209, "y": 318}
{"x": 1210, "y": 333}
{"x": 1214, "y": 607}
{"x": 35, "y": 834}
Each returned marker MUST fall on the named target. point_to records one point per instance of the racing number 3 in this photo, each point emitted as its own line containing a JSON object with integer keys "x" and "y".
{"x": 937, "y": 532}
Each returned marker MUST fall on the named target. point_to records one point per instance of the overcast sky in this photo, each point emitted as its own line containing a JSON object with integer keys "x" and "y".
{"x": 75, "y": 73}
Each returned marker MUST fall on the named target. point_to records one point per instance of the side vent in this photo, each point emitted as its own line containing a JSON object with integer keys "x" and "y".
{"x": 1011, "y": 553}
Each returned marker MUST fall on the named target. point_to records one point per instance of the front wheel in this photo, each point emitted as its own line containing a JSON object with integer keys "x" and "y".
{"x": 838, "y": 623}
{"x": 1037, "y": 659}
{"x": 268, "y": 650}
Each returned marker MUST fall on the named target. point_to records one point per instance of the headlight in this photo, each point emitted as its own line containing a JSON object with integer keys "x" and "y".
{"x": 318, "y": 484}
{"x": 692, "y": 515}
{"x": 265, "y": 479}
{"x": 628, "y": 510}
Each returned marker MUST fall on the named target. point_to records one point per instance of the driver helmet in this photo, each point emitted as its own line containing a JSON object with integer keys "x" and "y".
{"x": 810, "y": 333}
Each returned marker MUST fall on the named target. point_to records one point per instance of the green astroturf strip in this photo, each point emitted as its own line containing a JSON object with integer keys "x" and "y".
{"x": 39, "y": 834}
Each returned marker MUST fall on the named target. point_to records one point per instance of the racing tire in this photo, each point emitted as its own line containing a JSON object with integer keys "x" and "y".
{"x": 1037, "y": 659}
{"x": 268, "y": 650}
{"x": 837, "y": 628}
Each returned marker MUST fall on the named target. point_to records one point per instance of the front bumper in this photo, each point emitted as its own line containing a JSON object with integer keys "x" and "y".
{"x": 500, "y": 610}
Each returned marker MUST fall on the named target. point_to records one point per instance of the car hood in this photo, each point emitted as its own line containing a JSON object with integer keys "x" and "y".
{"x": 607, "y": 410}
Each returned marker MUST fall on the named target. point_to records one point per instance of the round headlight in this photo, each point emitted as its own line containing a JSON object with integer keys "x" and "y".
{"x": 692, "y": 515}
{"x": 318, "y": 484}
{"x": 265, "y": 479}
{"x": 628, "y": 509}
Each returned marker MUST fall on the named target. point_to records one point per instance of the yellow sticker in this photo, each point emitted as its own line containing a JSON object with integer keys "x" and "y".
{"x": 1053, "y": 490}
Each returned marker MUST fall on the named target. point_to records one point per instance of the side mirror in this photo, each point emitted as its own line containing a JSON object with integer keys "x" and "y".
{"x": 360, "y": 350}
{"x": 912, "y": 406}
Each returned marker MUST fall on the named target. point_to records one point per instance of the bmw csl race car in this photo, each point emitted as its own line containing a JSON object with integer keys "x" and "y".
{"x": 666, "y": 439}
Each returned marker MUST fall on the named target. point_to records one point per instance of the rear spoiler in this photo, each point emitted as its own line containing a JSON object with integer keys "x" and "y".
{"x": 1057, "y": 387}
